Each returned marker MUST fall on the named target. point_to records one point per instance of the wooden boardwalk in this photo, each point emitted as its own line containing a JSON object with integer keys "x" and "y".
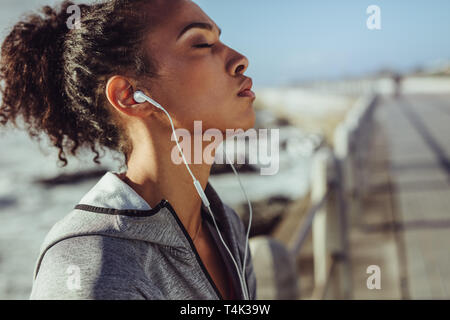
{"x": 404, "y": 224}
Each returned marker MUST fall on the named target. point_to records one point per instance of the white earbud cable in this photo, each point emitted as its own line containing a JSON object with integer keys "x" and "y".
{"x": 140, "y": 97}
{"x": 249, "y": 219}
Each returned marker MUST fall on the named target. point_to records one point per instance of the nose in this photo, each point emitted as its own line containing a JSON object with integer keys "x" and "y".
{"x": 238, "y": 63}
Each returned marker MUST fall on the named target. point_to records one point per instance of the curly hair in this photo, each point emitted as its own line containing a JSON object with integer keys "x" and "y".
{"x": 54, "y": 76}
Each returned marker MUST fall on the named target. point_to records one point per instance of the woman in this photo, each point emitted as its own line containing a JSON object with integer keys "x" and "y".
{"x": 143, "y": 233}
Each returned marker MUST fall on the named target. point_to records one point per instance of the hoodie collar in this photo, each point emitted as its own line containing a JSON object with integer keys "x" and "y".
{"x": 112, "y": 192}
{"x": 111, "y": 195}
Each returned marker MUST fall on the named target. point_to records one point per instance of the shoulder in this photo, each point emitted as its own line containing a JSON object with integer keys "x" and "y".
{"x": 92, "y": 267}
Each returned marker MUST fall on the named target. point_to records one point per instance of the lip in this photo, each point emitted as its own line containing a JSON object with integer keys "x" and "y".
{"x": 245, "y": 90}
{"x": 247, "y": 93}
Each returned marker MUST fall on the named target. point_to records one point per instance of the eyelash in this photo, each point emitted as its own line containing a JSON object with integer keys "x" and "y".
{"x": 204, "y": 45}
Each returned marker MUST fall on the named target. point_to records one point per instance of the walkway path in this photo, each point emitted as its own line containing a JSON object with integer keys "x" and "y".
{"x": 405, "y": 224}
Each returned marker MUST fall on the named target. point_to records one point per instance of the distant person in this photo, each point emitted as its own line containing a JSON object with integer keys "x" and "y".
{"x": 143, "y": 233}
{"x": 397, "y": 78}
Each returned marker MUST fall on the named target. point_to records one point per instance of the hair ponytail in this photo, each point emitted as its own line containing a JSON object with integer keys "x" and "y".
{"x": 53, "y": 77}
{"x": 31, "y": 71}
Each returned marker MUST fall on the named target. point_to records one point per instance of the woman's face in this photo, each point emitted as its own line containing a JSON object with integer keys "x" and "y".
{"x": 197, "y": 82}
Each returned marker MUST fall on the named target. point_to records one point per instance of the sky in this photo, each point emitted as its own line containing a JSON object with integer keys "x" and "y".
{"x": 288, "y": 41}
{"x": 296, "y": 40}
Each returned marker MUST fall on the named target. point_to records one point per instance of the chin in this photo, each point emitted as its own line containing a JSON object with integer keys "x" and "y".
{"x": 251, "y": 117}
{"x": 243, "y": 119}
{"x": 246, "y": 120}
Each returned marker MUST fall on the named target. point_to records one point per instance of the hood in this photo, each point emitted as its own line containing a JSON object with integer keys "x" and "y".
{"x": 112, "y": 208}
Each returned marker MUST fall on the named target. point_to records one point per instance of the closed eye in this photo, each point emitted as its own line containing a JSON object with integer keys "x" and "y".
{"x": 204, "y": 45}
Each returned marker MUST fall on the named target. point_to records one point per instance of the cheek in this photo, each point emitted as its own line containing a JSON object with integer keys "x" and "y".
{"x": 205, "y": 81}
{"x": 200, "y": 92}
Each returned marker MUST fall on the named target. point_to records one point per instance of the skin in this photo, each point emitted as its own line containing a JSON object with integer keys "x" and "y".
{"x": 193, "y": 84}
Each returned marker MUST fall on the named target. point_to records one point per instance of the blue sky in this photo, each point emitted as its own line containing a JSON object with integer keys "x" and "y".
{"x": 289, "y": 40}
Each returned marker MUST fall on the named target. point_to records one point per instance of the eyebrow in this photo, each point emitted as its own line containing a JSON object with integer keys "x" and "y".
{"x": 201, "y": 25}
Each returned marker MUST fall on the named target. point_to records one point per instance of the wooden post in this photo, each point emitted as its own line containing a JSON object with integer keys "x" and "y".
{"x": 339, "y": 245}
{"x": 343, "y": 150}
{"x": 319, "y": 187}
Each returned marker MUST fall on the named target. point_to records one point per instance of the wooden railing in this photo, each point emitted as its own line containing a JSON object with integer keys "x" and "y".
{"x": 338, "y": 181}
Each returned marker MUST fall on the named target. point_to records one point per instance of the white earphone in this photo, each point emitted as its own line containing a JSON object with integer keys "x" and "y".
{"x": 140, "y": 97}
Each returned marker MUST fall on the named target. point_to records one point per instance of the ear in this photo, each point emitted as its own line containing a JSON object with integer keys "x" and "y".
{"x": 119, "y": 92}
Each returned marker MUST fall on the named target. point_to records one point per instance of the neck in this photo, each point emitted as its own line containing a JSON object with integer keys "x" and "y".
{"x": 153, "y": 174}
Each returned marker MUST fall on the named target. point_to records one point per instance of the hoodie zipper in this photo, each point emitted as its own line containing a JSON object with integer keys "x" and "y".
{"x": 167, "y": 204}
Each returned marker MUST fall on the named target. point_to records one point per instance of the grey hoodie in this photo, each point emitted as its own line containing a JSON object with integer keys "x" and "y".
{"x": 114, "y": 246}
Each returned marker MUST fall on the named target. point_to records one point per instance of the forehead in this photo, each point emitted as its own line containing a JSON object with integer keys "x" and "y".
{"x": 174, "y": 15}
